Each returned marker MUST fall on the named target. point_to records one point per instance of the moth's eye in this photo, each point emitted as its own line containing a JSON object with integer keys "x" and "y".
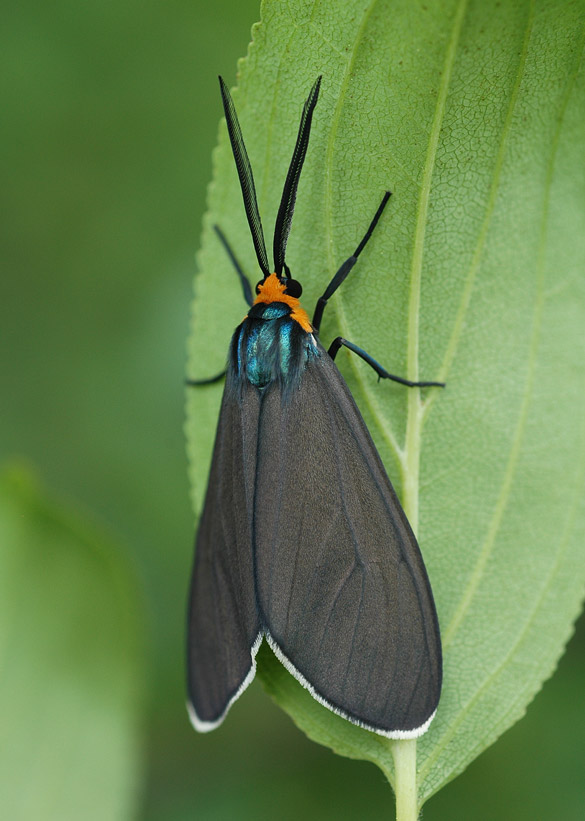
{"x": 293, "y": 288}
{"x": 258, "y": 284}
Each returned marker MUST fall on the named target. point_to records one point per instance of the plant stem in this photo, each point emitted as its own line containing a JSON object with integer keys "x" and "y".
{"x": 404, "y": 753}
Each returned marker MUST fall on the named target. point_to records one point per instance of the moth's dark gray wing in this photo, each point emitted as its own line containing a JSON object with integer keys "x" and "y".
{"x": 223, "y": 630}
{"x": 341, "y": 582}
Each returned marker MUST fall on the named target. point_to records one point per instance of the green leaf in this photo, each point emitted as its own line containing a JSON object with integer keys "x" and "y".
{"x": 71, "y": 681}
{"x": 472, "y": 114}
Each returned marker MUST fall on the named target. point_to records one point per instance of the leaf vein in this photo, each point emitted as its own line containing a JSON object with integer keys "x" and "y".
{"x": 455, "y": 338}
{"x": 576, "y": 497}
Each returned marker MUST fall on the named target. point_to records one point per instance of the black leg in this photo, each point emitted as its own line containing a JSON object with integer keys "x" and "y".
{"x": 246, "y": 288}
{"x": 382, "y": 372}
{"x": 211, "y": 380}
{"x": 245, "y": 282}
{"x": 346, "y": 266}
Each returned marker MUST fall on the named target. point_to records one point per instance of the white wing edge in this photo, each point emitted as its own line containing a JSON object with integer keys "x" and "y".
{"x": 206, "y": 726}
{"x": 395, "y": 734}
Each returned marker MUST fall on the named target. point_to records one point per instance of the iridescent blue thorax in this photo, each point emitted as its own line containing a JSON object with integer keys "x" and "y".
{"x": 270, "y": 346}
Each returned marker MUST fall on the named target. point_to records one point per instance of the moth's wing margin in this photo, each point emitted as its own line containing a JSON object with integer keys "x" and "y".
{"x": 223, "y": 630}
{"x": 341, "y": 582}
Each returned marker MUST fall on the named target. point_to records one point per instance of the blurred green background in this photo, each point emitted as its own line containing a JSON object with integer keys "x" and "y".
{"x": 110, "y": 113}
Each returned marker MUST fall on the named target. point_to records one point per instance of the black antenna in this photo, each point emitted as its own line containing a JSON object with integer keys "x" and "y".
{"x": 246, "y": 177}
{"x": 289, "y": 193}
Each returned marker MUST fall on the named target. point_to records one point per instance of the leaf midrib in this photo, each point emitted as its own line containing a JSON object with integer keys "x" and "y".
{"x": 415, "y": 415}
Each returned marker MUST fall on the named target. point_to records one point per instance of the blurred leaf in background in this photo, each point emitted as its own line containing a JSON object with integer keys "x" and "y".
{"x": 110, "y": 112}
{"x": 71, "y": 651}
